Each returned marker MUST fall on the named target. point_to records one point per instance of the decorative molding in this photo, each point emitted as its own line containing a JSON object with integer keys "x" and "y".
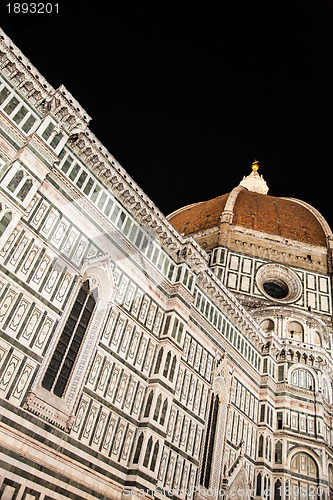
{"x": 277, "y": 273}
{"x": 49, "y": 407}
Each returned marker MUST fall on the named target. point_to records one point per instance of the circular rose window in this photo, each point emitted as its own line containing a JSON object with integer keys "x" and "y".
{"x": 279, "y": 283}
{"x": 277, "y": 289}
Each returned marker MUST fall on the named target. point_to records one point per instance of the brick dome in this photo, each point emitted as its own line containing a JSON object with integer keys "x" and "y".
{"x": 284, "y": 217}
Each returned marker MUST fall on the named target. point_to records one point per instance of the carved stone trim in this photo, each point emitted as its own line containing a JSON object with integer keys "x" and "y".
{"x": 12, "y": 131}
{"x": 37, "y": 143}
{"x": 280, "y": 274}
{"x": 45, "y": 405}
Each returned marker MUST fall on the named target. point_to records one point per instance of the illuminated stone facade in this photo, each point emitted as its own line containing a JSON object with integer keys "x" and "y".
{"x": 137, "y": 356}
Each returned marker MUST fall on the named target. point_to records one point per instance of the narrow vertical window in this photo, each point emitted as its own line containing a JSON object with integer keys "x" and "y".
{"x": 164, "y": 410}
{"x": 277, "y": 490}
{"x": 157, "y": 407}
{"x": 15, "y": 181}
{"x": 24, "y": 189}
{"x": 65, "y": 354}
{"x": 278, "y": 452}
{"x": 158, "y": 361}
{"x": 279, "y": 420}
{"x": 148, "y": 451}
{"x": 148, "y": 405}
{"x": 167, "y": 364}
{"x": 267, "y": 448}
{"x": 172, "y": 369}
{"x": 261, "y": 446}
{"x": 210, "y": 439}
{"x": 4, "y": 222}
{"x": 138, "y": 449}
{"x": 154, "y": 458}
{"x": 268, "y": 488}
{"x": 258, "y": 492}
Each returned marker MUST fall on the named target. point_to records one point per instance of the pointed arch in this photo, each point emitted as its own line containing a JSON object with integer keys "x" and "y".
{"x": 157, "y": 407}
{"x": 148, "y": 404}
{"x": 167, "y": 364}
{"x": 148, "y": 452}
{"x": 173, "y": 368}
{"x": 63, "y": 359}
{"x": 154, "y": 457}
{"x": 259, "y": 485}
{"x": 158, "y": 361}
{"x": 210, "y": 439}
{"x": 164, "y": 411}
{"x": 138, "y": 449}
{"x": 78, "y": 332}
{"x": 277, "y": 490}
{"x": 261, "y": 446}
{"x": 266, "y": 447}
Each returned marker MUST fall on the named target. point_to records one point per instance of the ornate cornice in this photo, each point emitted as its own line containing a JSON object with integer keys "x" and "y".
{"x": 58, "y": 416}
{"x": 310, "y": 355}
{"x": 23, "y": 75}
{"x": 114, "y": 177}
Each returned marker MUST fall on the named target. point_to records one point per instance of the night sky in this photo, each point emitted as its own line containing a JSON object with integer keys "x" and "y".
{"x": 187, "y": 97}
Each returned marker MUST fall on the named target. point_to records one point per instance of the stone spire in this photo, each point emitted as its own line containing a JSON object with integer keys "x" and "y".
{"x": 254, "y": 181}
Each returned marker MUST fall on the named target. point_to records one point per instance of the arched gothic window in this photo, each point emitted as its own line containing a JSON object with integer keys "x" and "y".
{"x": 148, "y": 451}
{"x": 67, "y": 349}
{"x": 24, "y": 190}
{"x": 267, "y": 447}
{"x": 16, "y": 179}
{"x": 277, "y": 490}
{"x": 259, "y": 481}
{"x": 172, "y": 369}
{"x": 268, "y": 488}
{"x": 157, "y": 407}
{"x": 164, "y": 410}
{"x": 158, "y": 360}
{"x": 154, "y": 458}
{"x": 209, "y": 443}
{"x": 148, "y": 405}
{"x": 167, "y": 364}
{"x": 138, "y": 449}
{"x": 261, "y": 446}
{"x": 303, "y": 378}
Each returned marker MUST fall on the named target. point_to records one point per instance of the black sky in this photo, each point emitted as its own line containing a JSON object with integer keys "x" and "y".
{"x": 186, "y": 97}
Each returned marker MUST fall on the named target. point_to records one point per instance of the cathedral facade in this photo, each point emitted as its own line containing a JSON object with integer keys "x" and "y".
{"x": 187, "y": 356}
